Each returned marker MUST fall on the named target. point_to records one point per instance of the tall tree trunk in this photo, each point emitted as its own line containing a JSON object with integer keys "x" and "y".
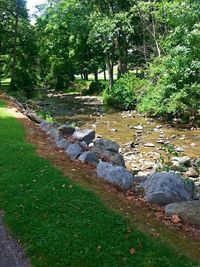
{"x": 100, "y": 6}
{"x": 110, "y": 73}
{"x": 121, "y": 68}
{"x": 144, "y": 45}
{"x": 86, "y": 75}
{"x": 14, "y": 53}
{"x": 104, "y": 74}
{"x": 122, "y": 60}
{"x": 96, "y": 75}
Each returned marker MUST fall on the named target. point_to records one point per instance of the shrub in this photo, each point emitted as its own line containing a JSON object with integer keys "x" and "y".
{"x": 96, "y": 88}
{"x": 125, "y": 92}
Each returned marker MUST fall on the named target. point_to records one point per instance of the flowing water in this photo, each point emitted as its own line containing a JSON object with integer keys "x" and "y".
{"x": 89, "y": 112}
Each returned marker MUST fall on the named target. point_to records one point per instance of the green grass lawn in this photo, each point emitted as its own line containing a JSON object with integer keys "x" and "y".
{"x": 61, "y": 224}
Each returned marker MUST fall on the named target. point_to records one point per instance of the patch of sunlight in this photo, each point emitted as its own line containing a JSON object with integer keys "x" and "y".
{"x": 5, "y": 81}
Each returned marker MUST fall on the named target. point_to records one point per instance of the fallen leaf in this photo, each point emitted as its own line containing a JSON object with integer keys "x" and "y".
{"x": 175, "y": 218}
{"x": 132, "y": 251}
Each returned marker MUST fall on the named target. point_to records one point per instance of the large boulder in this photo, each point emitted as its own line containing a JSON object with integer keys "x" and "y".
{"x": 45, "y": 126}
{"x": 89, "y": 157}
{"x": 117, "y": 175}
{"x": 84, "y": 135}
{"x": 54, "y": 133}
{"x": 164, "y": 188}
{"x": 107, "y": 145}
{"x": 66, "y": 130}
{"x": 33, "y": 117}
{"x": 187, "y": 211}
{"x": 73, "y": 151}
{"x": 109, "y": 156}
{"x": 64, "y": 144}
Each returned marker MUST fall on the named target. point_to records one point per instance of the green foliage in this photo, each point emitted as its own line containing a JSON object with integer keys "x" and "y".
{"x": 125, "y": 92}
{"x": 96, "y": 88}
{"x": 174, "y": 81}
{"x": 170, "y": 151}
{"x": 62, "y": 224}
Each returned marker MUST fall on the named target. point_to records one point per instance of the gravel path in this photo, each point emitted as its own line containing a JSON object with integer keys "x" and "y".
{"x": 11, "y": 253}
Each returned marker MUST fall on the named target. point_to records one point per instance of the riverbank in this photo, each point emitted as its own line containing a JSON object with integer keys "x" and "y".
{"x": 31, "y": 191}
{"x": 144, "y": 142}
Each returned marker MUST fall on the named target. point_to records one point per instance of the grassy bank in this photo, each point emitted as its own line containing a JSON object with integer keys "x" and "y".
{"x": 60, "y": 223}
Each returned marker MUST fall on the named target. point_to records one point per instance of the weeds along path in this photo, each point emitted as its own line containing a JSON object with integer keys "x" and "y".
{"x": 76, "y": 221}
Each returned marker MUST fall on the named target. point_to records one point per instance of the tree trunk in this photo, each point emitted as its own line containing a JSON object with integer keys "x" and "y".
{"x": 104, "y": 74}
{"x": 122, "y": 60}
{"x": 96, "y": 75}
{"x": 86, "y": 75}
{"x": 14, "y": 53}
{"x": 110, "y": 73}
{"x": 121, "y": 68}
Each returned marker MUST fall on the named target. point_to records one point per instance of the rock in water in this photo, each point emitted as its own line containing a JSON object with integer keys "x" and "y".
{"x": 73, "y": 151}
{"x": 149, "y": 145}
{"x": 64, "y": 144}
{"x": 107, "y": 145}
{"x": 89, "y": 157}
{"x": 164, "y": 188}
{"x": 138, "y": 127}
{"x": 183, "y": 160}
{"x": 66, "y": 130}
{"x": 84, "y": 135}
{"x": 117, "y": 175}
{"x": 187, "y": 211}
{"x": 191, "y": 172}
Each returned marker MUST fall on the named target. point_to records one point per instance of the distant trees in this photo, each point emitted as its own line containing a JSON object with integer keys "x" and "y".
{"x": 18, "y": 45}
{"x": 155, "y": 41}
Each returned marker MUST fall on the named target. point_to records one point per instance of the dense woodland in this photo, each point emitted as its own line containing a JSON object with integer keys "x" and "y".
{"x": 148, "y": 51}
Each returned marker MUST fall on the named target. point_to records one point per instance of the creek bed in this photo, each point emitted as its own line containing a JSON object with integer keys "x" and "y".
{"x": 140, "y": 147}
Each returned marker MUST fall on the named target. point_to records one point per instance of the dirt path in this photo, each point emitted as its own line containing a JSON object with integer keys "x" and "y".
{"x": 180, "y": 239}
{"x": 11, "y": 253}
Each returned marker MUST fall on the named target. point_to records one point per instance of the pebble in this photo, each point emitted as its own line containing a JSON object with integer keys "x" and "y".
{"x": 139, "y": 127}
{"x": 149, "y": 145}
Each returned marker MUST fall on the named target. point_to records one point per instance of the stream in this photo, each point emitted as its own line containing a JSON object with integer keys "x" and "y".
{"x": 141, "y": 138}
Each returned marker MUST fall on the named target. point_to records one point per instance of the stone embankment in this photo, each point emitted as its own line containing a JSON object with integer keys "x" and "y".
{"x": 163, "y": 188}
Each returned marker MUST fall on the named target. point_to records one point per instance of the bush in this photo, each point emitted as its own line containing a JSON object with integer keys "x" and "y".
{"x": 125, "y": 92}
{"x": 96, "y": 88}
{"x": 173, "y": 88}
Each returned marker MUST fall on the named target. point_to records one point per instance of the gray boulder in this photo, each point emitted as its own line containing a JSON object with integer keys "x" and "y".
{"x": 187, "y": 211}
{"x": 45, "y": 126}
{"x": 109, "y": 156}
{"x": 33, "y": 117}
{"x": 107, "y": 145}
{"x": 117, "y": 175}
{"x": 164, "y": 188}
{"x": 64, "y": 144}
{"x": 84, "y": 145}
{"x": 84, "y": 135}
{"x": 66, "y": 130}
{"x": 190, "y": 188}
{"x": 54, "y": 133}
{"x": 89, "y": 157}
{"x": 73, "y": 151}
